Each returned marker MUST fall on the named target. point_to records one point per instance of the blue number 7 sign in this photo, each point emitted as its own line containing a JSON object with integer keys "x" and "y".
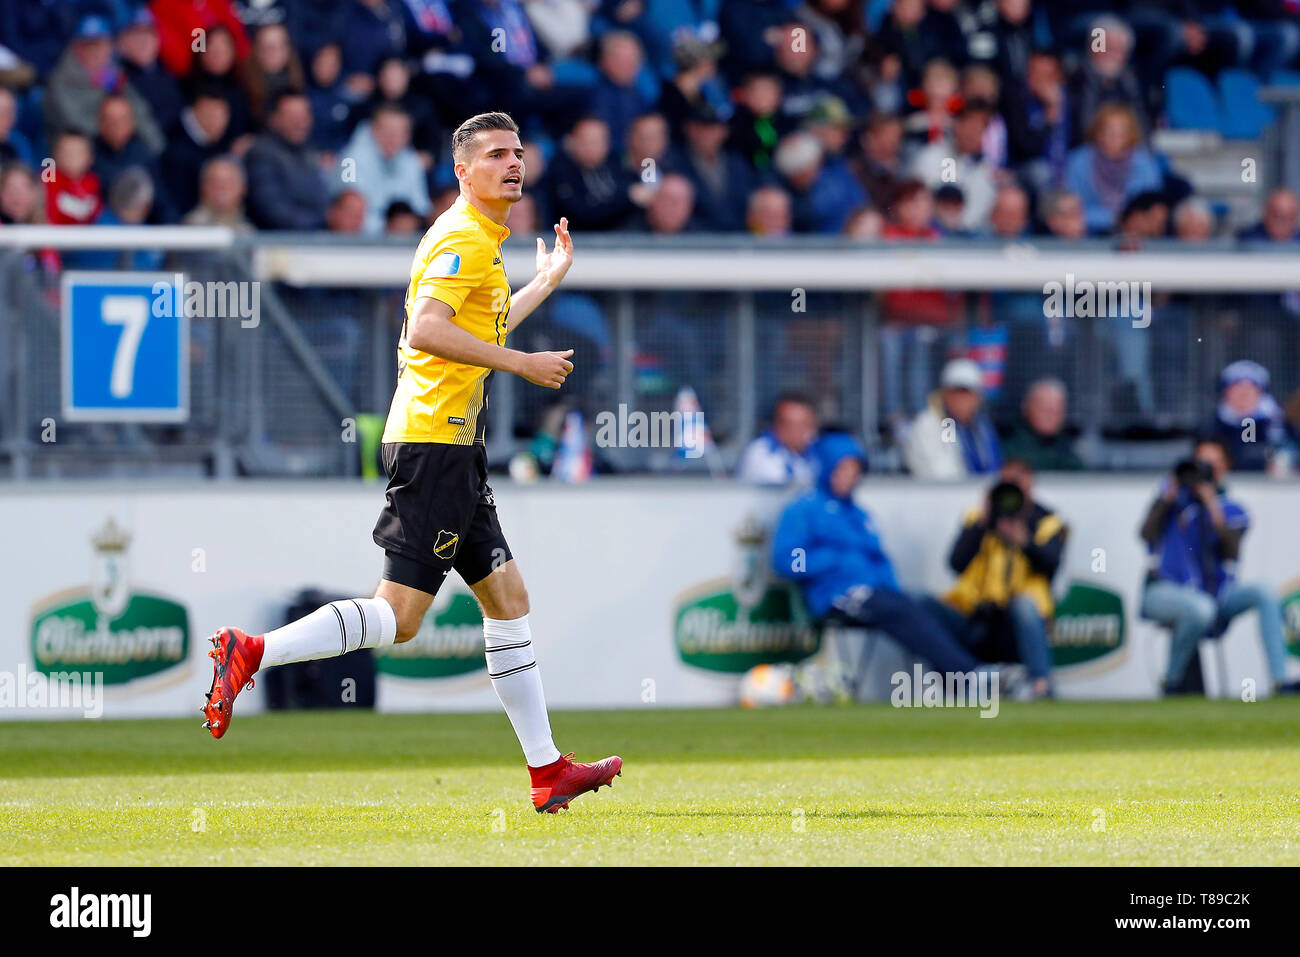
{"x": 123, "y": 359}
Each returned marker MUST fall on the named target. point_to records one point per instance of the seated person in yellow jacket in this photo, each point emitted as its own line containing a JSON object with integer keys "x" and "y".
{"x": 1005, "y": 558}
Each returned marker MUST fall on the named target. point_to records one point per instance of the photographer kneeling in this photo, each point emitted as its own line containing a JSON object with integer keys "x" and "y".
{"x": 1005, "y": 558}
{"x": 1193, "y": 532}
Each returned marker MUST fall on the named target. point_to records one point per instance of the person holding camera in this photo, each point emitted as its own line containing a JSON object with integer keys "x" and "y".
{"x": 1005, "y": 557}
{"x": 1193, "y": 533}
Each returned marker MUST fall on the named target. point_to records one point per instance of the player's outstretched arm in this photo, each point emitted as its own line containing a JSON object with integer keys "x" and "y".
{"x": 551, "y": 267}
{"x": 431, "y": 330}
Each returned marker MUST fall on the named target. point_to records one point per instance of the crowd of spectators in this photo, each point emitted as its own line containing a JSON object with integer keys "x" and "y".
{"x": 877, "y": 119}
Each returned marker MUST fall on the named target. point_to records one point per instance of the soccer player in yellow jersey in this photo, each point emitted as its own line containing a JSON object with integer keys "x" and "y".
{"x": 439, "y": 512}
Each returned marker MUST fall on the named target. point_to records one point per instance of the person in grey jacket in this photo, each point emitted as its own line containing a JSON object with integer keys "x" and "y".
{"x": 86, "y": 73}
{"x": 286, "y": 189}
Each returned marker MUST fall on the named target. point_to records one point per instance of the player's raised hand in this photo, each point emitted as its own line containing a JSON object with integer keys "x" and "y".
{"x": 548, "y": 369}
{"x": 553, "y": 265}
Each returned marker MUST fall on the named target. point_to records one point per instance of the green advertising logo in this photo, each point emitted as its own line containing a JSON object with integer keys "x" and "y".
{"x": 448, "y": 643}
{"x": 1089, "y": 625}
{"x": 731, "y": 625}
{"x": 716, "y": 632}
{"x": 105, "y": 626}
{"x": 1291, "y": 615}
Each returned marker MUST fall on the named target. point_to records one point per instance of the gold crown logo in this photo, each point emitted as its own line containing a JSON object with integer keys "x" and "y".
{"x": 110, "y": 538}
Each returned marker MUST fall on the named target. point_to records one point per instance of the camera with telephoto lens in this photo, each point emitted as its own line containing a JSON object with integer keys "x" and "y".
{"x": 1006, "y": 500}
{"x": 1190, "y": 473}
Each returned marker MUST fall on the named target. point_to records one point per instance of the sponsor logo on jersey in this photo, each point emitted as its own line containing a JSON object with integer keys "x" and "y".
{"x": 444, "y": 264}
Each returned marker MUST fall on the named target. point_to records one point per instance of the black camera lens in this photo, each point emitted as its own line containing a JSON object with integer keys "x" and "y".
{"x": 1007, "y": 499}
{"x": 1192, "y": 472}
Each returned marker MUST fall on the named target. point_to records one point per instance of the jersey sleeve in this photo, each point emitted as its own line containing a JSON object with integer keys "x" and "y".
{"x": 455, "y": 267}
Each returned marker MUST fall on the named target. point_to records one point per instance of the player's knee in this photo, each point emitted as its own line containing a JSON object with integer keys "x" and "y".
{"x": 507, "y": 605}
{"x": 407, "y": 628}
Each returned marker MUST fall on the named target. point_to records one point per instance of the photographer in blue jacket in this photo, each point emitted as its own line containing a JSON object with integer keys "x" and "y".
{"x": 1193, "y": 533}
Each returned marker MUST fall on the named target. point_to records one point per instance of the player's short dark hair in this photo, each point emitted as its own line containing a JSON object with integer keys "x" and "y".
{"x": 463, "y": 138}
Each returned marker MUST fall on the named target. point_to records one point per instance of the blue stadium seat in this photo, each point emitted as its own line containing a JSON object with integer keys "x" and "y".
{"x": 575, "y": 72}
{"x": 1190, "y": 102}
{"x": 1244, "y": 116}
{"x": 1285, "y": 78}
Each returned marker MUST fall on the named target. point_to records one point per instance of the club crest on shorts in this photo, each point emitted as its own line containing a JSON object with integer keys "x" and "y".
{"x": 445, "y": 546}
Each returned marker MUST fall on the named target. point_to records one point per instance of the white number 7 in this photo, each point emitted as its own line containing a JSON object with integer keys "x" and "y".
{"x": 132, "y": 314}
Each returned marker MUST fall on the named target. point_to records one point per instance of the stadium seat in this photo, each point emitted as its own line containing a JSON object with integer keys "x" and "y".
{"x": 1190, "y": 102}
{"x": 1244, "y": 116}
{"x": 575, "y": 72}
{"x": 1284, "y": 78}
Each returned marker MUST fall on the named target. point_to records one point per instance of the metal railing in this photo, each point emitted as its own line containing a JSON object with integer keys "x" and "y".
{"x": 739, "y": 321}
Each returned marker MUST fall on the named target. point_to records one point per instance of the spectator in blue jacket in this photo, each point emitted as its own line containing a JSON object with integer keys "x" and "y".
{"x": 722, "y": 180}
{"x": 1112, "y": 168}
{"x": 829, "y": 546}
{"x": 1193, "y": 533}
{"x": 1248, "y": 421}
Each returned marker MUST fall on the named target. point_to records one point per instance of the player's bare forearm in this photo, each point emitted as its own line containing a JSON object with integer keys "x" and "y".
{"x": 433, "y": 331}
{"x": 551, "y": 269}
{"x": 528, "y": 298}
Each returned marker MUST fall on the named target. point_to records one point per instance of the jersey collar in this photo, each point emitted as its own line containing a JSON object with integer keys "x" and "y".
{"x": 497, "y": 232}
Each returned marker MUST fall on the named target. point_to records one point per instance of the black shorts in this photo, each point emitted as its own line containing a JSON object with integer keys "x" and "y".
{"x": 439, "y": 514}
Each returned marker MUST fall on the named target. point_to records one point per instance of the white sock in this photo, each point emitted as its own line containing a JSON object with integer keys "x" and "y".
{"x": 513, "y": 670}
{"x": 331, "y": 630}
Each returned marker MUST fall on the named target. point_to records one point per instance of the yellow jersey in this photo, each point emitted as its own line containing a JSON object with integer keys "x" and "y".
{"x": 458, "y": 262}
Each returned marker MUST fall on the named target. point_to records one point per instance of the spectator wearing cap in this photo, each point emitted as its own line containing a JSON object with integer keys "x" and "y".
{"x": 878, "y": 164}
{"x": 1248, "y": 420}
{"x": 586, "y": 182}
{"x": 384, "y": 166}
{"x": 1039, "y": 436}
{"x": 88, "y": 72}
{"x": 285, "y": 187}
{"x": 138, "y": 48}
{"x": 780, "y": 455}
{"x": 178, "y": 21}
{"x": 757, "y": 126}
{"x": 825, "y": 193}
{"x": 952, "y": 437}
{"x": 222, "y": 189}
{"x": 617, "y": 96}
{"x": 961, "y": 155}
{"x": 1281, "y": 220}
{"x": 1112, "y": 167}
{"x": 722, "y": 180}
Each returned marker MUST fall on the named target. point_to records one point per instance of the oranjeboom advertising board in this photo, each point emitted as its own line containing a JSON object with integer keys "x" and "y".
{"x": 645, "y": 593}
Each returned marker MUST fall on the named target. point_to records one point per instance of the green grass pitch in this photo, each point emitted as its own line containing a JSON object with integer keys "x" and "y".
{"x": 1173, "y": 782}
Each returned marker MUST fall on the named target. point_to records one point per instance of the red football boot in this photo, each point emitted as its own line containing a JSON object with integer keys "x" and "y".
{"x": 235, "y": 659}
{"x": 555, "y": 785}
